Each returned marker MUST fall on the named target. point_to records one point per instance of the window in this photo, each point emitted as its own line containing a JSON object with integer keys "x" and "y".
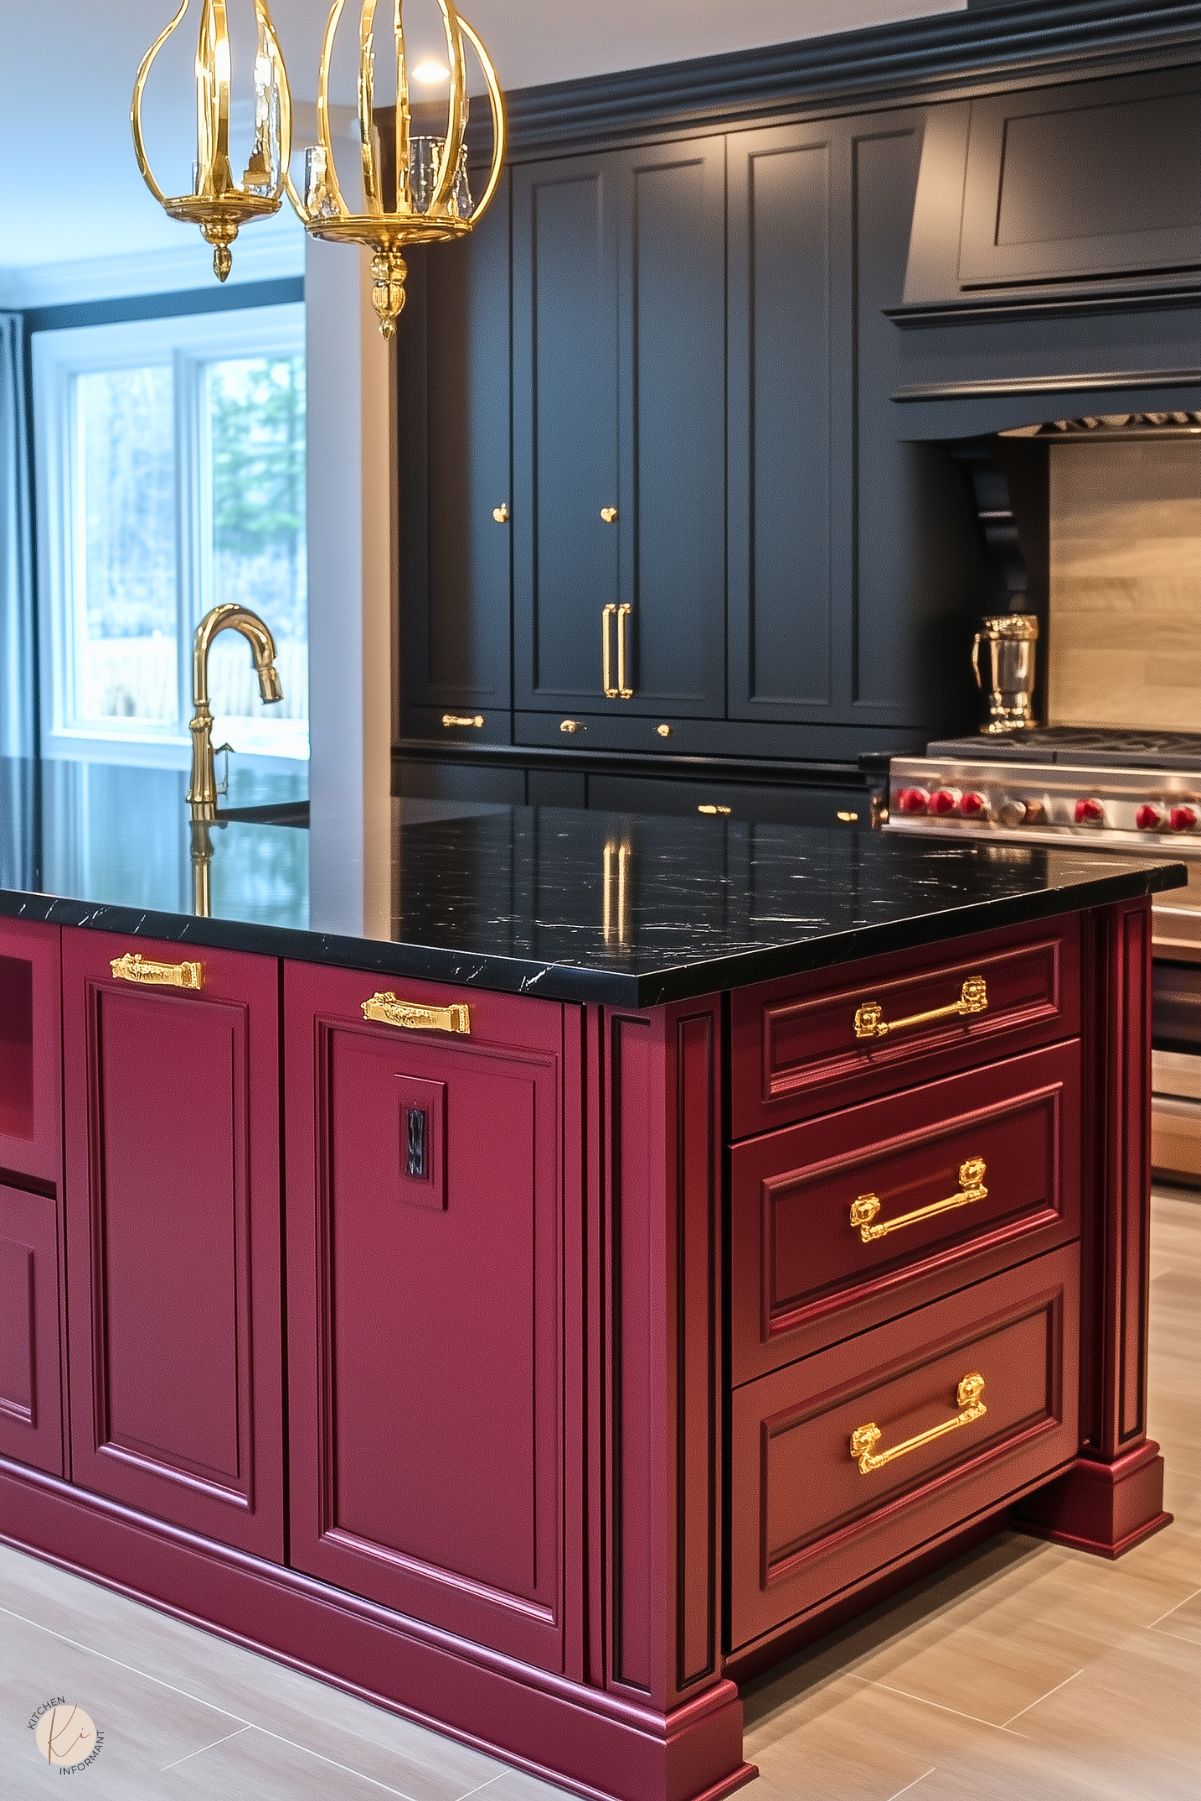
{"x": 170, "y": 477}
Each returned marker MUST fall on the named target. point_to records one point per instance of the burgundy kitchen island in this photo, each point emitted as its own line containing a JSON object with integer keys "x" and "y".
{"x": 539, "y": 1281}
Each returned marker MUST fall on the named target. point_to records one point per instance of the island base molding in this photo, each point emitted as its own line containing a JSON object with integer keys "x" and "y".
{"x": 600, "y": 1746}
{"x": 1105, "y": 1508}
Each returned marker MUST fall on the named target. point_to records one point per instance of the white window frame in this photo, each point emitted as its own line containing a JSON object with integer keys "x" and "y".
{"x": 187, "y": 343}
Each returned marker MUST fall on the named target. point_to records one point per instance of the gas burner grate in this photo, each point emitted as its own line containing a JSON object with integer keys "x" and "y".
{"x": 1084, "y": 746}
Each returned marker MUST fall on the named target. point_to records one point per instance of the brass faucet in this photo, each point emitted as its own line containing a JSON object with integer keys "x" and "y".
{"x": 202, "y": 790}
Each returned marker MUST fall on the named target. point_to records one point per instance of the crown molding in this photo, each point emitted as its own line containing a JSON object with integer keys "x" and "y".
{"x": 936, "y": 56}
{"x": 265, "y": 253}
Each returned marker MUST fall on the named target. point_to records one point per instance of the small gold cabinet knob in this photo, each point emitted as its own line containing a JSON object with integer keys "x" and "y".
{"x": 663, "y": 731}
{"x": 572, "y": 726}
{"x": 609, "y": 515}
{"x": 501, "y": 514}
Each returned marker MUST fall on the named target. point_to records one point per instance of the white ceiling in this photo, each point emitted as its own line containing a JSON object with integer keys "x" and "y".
{"x": 72, "y": 193}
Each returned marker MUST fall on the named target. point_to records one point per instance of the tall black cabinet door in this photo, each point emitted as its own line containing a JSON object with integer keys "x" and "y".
{"x": 455, "y": 476}
{"x": 565, "y": 257}
{"x": 673, "y": 427}
{"x": 903, "y": 530}
{"x": 783, "y": 185}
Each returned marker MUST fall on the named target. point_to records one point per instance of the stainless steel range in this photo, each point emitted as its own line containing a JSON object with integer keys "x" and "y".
{"x": 1134, "y": 792}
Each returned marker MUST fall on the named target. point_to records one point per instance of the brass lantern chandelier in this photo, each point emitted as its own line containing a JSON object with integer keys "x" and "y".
{"x": 416, "y": 187}
{"x": 219, "y": 204}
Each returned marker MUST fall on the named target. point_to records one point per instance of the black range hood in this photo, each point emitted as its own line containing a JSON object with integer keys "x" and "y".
{"x": 1054, "y": 270}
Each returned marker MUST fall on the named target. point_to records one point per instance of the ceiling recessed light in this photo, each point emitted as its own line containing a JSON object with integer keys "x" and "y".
{"x": 431, "y": 73}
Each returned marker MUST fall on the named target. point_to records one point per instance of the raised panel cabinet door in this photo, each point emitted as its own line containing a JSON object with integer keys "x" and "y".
{"x": 565, "y": 445}
{"x": 456, "y": 477}
{"x": 901, "y": 522}
{"x": 30, "y": 1051}
{"x": 782, "y": 194}
{"x": 671, "y": 374}
{"x": 31, "y": 1425}
{"x": 424, "y": 1305}
{"x": 1089, "y": 181}
{"x": 174, "y": 1235}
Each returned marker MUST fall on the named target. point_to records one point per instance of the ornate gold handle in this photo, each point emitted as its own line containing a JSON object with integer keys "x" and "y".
{"x": 663, "y": 731}
{"x": 715, "y": 812}
{"x": 475, "y": 720}
{"x": 609, "y": 515}
{"x": 501, "y": 514}
{"x": 971, "y": 1189}
{"x": 624, "y": 690}
{"x": 847, "y": 818}
{"x": 133, "y": 967}
{"x": 864, "y": 1439}
{"x": 571, "y": 726}
{"x": 608, "y": 615}
{"x": 411, "y": 1016}
{"x": 871, "y": 1023}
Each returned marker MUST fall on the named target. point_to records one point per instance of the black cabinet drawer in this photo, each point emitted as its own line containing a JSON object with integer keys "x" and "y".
{"x": 791, "y": 804}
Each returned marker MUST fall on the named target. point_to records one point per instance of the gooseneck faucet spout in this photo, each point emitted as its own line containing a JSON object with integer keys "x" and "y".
{"x": 202, "y": 790}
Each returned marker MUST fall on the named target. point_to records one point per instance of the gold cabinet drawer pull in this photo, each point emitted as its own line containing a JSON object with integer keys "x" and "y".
{"x": 867, "y": 1206}
{"x": 411, "y": 1016}
{"x": 609, "y": 515}
{"x": 608, "y": 616}
{"x": 133, "y": 967}
{"x": 624, "y": 689}
{"x": 571, "y": 727}
{"x": 501, "y": 514}
{"x": 474, "y": 720}
{"x": 870, "y": 1022}
{"x": 969, "y": 1398}
{"x": 847, "y": 818}
{"x": 715, "y": 812}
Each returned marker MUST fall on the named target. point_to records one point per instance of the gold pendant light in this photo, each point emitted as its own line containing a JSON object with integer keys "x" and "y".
{"x": 415, "y": 183}
{"x": 219, "y": 204}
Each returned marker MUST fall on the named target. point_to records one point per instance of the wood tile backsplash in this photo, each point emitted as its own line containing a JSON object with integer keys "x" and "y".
{"x": 1125, "y": 637}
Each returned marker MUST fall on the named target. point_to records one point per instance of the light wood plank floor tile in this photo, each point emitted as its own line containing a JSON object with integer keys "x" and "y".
{"x": 349, "y": 1731}
{"x": 144, "y": 1725}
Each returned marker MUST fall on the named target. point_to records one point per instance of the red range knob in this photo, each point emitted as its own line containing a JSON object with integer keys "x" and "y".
{"x": 974, "y": 806}
{"x": 912, "y": 800}
{"x": 944, "y": 802}
{"x": 1184, "y": 819}
{"x": 1090, "y": 811}
{"x": 1149, "y": 817}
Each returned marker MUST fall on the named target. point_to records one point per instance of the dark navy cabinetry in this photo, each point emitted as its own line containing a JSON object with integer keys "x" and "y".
{"x": 664, "y": 493}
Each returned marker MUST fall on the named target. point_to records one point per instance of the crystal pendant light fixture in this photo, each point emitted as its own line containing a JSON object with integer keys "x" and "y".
{"x": 415, "y": 185}
{"x": 219, "y": 203}
{"x": 414, "y": 182}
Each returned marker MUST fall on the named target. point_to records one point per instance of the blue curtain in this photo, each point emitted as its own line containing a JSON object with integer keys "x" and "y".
{"x": 16, "y": 556}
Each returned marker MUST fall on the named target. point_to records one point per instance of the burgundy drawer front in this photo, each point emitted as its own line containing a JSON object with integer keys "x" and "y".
{"x": 808, "y": 1522}
{"x": 30, "y": 1051}
{"x": 802, "y": 1272}
{"x": 424, "y": 1336}
{"x": 796, "y": 1052}
{"x": 173, "y": 1235}
{"x": 31, "y": 1424}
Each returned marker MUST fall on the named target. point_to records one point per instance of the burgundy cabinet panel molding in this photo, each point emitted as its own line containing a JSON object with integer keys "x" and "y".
{"x": 807, "y": 1519}
{"x": 173, "y": 1221}
{"x": 31, "y": 1425}
{"x": 991, "y": 1158}
{"x": 425, "y": 1307}
{"x": 31, "y": 1124}
{"x": 797, "y": 1052}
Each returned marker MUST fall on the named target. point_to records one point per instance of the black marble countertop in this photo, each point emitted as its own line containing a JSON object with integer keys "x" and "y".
{"x": 568, "y": 904}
